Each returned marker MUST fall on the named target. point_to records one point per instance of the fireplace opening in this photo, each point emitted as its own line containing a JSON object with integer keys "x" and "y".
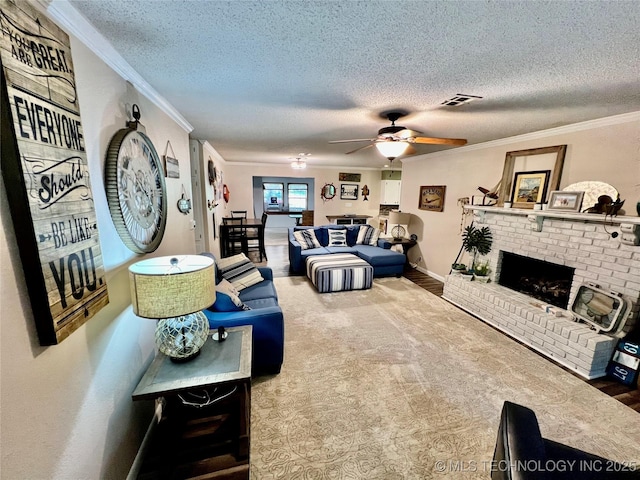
{"x": 546, "y": 281}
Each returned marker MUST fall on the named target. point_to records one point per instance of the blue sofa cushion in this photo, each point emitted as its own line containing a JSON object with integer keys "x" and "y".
{"x": 313, "y": 251}
{"x": 376, "y": 256}
{"x": 262, "y": 303}
{"x": 342, "y": 250}
{"x": 264, "y": 289}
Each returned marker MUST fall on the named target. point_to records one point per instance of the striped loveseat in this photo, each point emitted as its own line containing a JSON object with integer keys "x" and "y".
{"x": 358, "y": 239}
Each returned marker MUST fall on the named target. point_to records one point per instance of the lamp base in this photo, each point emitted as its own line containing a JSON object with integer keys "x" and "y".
{"x": 184, "y": 359}
{"x": 398, "y": 232}
{"x": 181, "y": 338}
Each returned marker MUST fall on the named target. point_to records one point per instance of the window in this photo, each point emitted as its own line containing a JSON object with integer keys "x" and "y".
{"x": 297, "y": 196}
{"x": 273, "y": 196}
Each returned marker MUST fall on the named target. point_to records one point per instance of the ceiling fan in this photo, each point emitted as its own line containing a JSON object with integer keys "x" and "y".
{"x": 394, "y": 140}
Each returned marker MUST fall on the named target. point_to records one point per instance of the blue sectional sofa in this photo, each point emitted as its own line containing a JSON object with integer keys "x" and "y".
{"x": 265, "y": 316}
{"x": 385, "y": 262}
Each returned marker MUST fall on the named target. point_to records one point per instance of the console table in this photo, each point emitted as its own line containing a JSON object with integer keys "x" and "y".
{"x": 349, "y": 219}
{"x": 205, "y": 424}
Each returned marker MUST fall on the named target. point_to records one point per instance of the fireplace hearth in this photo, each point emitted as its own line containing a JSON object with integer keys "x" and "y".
{"x": 546, "y": 281}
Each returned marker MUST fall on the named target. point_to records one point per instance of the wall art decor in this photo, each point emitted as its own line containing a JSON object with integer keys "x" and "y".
{"x": 136, "y": 192}
{"x": 171, "y": 164}
{"x": 349, "y": 177}
{"x": 529, "y": 188}
{"x": 348, "y": 191}
{"x": 567, "y": 201}
{"x": 432, "y": 198}
{"x": 545, "y": 158}
{"x": 327, "y": 192}
{"x": 46, "y": 174}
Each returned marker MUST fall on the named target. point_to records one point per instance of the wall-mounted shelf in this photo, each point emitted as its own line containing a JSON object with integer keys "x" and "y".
{"x": 629, "y": 226}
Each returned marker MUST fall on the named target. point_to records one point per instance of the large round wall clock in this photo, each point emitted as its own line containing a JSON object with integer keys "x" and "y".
{"x": 136, "y": 191}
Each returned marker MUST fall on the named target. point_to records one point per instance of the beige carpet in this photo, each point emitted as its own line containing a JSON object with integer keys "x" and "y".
{"x": 385, "y": 383}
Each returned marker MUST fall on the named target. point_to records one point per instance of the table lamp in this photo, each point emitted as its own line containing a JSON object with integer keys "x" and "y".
{"x": 175, "y": 290}
{"x": 398, "y": 219}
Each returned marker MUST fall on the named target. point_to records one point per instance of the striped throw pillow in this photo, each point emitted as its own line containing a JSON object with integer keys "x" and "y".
{"x": 368, "y": 235}
{"x": 337, "y": 238}
{"x": 239, "y": 271}
{"x": 306, "y": 238}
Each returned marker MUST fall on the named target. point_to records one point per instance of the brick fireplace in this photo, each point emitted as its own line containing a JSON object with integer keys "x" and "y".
{"x": 574, "y": 242}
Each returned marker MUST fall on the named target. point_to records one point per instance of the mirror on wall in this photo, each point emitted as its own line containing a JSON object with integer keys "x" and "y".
{"x": 328, "y": 191}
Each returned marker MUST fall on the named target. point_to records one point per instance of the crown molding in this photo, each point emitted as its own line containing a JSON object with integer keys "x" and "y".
{"x": 67, "y": 17}
{"x": 574, "y": 127}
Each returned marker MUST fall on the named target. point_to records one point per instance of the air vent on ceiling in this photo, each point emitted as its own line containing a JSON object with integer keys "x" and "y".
{"x": 459, "y": 99}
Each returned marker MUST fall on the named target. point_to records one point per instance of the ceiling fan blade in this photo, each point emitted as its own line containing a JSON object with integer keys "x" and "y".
{"x": 407, "y": 133}
{"x": 438, "y": 141}
{"x": 354, "y": 140}
{"x": 361, "y": 148}
{"x": 409, "y": 151}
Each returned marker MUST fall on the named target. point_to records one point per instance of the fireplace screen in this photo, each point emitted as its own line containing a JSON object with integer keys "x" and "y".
{"x": 545, "y": 281}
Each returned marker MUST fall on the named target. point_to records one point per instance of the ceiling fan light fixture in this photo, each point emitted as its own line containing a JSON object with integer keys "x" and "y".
{"x": 298, "y": 163}
{"x": 391, "y": 148}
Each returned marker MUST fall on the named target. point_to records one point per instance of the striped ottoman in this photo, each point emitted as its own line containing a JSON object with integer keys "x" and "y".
{"x": 338, "y": 272}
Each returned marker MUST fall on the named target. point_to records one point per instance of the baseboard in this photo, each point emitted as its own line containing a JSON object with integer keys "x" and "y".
{"x": 430, "y": 274}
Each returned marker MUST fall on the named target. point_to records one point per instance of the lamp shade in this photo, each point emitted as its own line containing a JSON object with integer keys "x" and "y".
{"x": 399, "y": 218}
{"x": 166, "y": 287}
{"x": 392, "y": 148}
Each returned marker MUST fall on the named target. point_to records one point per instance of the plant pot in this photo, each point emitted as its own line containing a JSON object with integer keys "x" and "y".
{"x": 481, "y": 278}
{"x": 466, "y": 276}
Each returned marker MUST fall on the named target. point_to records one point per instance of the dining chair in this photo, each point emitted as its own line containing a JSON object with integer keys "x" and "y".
{"x": 239, "y": 213}
{"x": 235, "y": 236}
{"x": 255, "y": 237}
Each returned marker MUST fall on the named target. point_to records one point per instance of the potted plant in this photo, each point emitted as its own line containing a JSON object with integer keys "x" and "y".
{"x": 481, "y": 272}
{"x": 458, "y": 268}
{"x": 476, "y": 241}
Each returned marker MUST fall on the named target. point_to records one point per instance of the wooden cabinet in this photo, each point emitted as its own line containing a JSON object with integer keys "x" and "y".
{"x": 205, "y": 426}
{"x": 390, "y": 192}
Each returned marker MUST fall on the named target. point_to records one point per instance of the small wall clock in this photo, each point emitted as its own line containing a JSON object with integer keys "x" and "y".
{"x": 432, "y": 198}
{"x": 136, "y": 191}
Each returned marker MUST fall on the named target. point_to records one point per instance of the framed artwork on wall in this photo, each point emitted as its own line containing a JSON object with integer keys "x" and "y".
{"x": 348, "y": 191}
{"x": 529, "y": 188}
{"x": 533, "y": 159}
{"x": 46, "y": 175}
{"x": 349, "y": 177}
{"x": 432, "y": 198}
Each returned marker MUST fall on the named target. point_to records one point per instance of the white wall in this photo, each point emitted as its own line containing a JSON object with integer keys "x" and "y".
{"x": 607, "y": 150}
{"x": 66, "y": 409}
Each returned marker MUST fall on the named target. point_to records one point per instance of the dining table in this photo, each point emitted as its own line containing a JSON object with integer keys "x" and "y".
{"x": 245, "y": 224}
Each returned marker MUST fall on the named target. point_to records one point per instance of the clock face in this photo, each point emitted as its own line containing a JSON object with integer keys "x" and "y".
{"x": 136, "y": 190}
{"x": 432, "y": 198}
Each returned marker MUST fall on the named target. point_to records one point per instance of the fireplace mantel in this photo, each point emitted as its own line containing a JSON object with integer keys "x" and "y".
{"x": 576, "y": 240}
{"x": 629, "y": 226}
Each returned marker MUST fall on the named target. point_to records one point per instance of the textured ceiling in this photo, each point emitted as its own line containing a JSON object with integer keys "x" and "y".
{"x": 263, "y": 81}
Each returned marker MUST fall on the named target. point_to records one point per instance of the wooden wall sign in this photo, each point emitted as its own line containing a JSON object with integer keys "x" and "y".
{"x": 46, "y": 176}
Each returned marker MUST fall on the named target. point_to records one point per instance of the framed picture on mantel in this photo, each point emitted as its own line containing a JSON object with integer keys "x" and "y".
{"x": 530, "y": 188}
